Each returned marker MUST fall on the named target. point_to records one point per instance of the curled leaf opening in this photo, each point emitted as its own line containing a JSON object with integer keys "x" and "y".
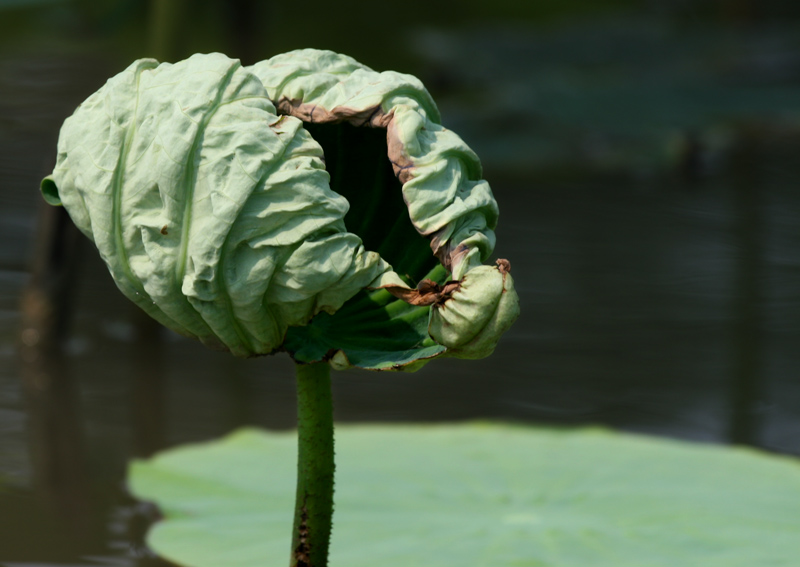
{"x": 258, "y": 208}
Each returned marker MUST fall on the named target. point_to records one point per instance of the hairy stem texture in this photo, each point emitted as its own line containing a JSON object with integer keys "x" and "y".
{"x": 314, "y": 502}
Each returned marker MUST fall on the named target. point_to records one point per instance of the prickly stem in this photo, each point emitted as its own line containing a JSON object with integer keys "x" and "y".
{"x": 315, "y": 467}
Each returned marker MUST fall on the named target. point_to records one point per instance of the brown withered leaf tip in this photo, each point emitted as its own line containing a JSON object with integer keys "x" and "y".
{"x": 428, "y": 292}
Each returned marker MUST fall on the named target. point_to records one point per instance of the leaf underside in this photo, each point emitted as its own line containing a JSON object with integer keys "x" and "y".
{"x": 478, "y": 495}
{"x": 374, "y": 329}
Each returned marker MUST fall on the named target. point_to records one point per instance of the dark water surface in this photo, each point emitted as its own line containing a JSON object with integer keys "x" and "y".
{"x": 666, "y": 303}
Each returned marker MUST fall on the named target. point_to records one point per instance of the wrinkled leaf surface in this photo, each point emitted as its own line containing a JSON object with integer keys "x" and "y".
{"x": 221, "y": 216}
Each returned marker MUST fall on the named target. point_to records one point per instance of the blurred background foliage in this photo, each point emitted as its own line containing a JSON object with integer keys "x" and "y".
{"x": 614, "y": 83}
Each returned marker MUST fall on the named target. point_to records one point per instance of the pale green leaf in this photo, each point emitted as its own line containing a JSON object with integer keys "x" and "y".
{"x": 221, "y": 216}
{"x": 480, "y": 495}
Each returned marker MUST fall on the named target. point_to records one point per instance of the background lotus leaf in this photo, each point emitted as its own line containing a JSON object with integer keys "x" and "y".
{"x": 477, "y": 495}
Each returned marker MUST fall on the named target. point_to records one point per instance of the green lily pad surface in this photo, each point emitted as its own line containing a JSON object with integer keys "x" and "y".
{"x": 480, "y": 495}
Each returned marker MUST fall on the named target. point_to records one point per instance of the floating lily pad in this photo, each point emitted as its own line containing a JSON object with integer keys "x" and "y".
{"x": 479, "y": 495}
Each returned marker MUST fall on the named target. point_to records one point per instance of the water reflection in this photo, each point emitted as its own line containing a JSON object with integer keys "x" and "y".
{"x": 54, "y": 424}
{"x": 69, "y": 510}
{"x": 148, "y": 392}
{"x": 747, "y": 385}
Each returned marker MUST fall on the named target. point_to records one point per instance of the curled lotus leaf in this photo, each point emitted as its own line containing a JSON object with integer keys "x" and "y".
{"x": 257, "y": 209}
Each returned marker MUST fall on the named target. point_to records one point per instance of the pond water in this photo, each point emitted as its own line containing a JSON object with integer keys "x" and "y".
{"x": 662, "y": 301}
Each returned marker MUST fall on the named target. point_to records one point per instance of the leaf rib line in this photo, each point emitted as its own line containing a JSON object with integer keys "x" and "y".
{"x": 116, "y": 212}
{"x": 191, "y": 178}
